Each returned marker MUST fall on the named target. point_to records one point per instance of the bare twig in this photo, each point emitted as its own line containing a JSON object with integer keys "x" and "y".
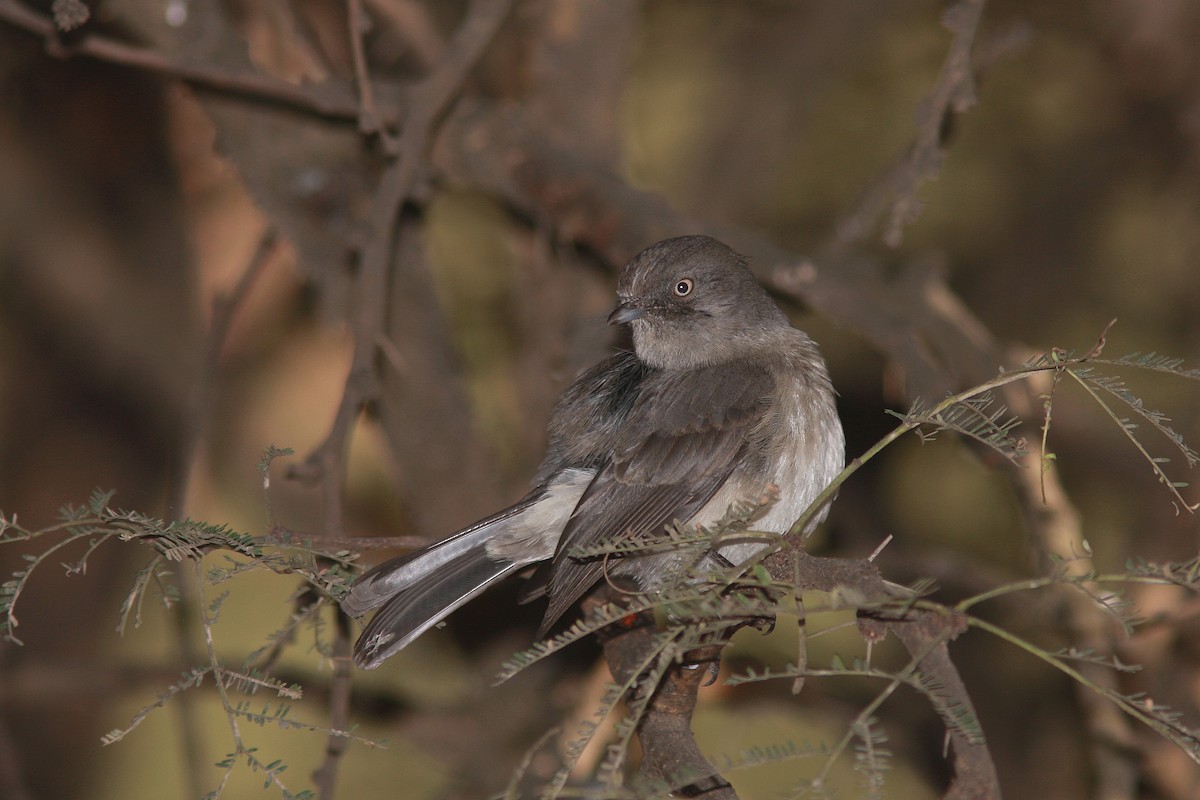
{"x": 369, "y": 120}
{"x": 953, "y": 93}
{"x": 339, "y": 709}
{"x": 330, "y": 101}
{"x": 429, "y": 100}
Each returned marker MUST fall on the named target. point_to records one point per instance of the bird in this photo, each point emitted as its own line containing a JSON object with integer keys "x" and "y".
{"x": 720, "y": 398}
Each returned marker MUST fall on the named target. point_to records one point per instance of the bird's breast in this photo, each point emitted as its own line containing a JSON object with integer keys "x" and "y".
{"x": 798, "y": 446}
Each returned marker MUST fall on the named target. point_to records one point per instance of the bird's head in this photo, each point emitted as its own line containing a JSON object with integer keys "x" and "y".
{"x": 691, "y": 301}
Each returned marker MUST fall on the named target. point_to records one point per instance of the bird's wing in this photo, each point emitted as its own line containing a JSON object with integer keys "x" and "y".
{"x": 679, "y": 443}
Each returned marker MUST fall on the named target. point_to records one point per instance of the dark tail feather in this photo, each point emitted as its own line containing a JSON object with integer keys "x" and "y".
{"x": 426, "y": 601}
{"x": 378, "y": 585}
{"x": 416, "y": 591}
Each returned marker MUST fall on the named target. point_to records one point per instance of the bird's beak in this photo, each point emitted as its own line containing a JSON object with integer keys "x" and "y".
{"x": 625, "y": 312}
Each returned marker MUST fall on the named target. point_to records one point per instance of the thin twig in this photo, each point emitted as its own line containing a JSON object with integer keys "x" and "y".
{"x": 331, "y": 101}
{"x": 429, "y": 100}
{"x": 325, "y": 776}
{"x": 369, "y": 119}
{"x": 286, "y": 536}
{"x": 953, "y": 92}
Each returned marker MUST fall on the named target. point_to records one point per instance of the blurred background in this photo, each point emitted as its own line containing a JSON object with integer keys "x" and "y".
{"x": 133, "y": 201}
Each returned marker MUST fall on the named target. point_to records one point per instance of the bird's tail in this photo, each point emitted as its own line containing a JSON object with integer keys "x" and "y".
{"x": 414, "y": 592}
{"x": 426, "y": 602}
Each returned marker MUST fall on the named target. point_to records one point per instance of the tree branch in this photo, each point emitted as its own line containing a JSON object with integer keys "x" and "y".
{"x": 953, "y": 93}
{"x": 400, "y": 182}
{"x": 925, "y": 635}
{"x": 331, "y": 100}
{"x": 339, "y": 709}
{"x": 669, "y": 750}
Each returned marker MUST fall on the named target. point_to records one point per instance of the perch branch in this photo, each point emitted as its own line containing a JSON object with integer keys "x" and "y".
{"x": 669, "y": 749}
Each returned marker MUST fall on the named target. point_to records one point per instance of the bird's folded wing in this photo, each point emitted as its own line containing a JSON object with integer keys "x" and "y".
{"x": 681, "y": 440}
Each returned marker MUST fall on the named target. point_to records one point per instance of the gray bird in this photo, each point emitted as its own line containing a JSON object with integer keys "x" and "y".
{"x": 720, "y": 398}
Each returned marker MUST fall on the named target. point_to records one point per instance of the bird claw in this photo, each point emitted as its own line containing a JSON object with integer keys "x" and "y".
{"x": 714, "y": 669}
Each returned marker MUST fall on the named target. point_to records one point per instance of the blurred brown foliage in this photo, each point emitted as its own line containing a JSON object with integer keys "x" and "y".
{"x": 452, "y": 202}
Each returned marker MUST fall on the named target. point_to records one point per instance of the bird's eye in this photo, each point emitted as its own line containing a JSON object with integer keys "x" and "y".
{"x": 684, "y": 287}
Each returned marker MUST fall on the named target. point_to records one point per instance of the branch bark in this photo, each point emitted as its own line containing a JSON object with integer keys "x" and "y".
{"x": 670, "y": 755}
{"x": 926, "y": 636}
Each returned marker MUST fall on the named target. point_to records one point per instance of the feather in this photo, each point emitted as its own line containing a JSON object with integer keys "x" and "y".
{"x": 379, "y": 584}
{"x": 684, "y": 435}
{"x": 425, "y": 602}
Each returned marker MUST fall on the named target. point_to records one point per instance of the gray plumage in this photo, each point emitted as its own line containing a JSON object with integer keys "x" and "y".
{"x": 720, "y": 398}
